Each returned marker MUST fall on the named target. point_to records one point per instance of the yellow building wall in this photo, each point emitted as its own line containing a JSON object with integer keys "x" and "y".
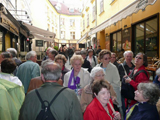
{"x": 135, "y": 17}
{"x": 7, "y": 41}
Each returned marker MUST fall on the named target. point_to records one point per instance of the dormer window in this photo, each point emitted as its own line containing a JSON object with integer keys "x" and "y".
{"x": 71, "y": 10}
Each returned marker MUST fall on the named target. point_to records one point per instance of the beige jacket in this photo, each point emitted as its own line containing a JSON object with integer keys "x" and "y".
{"x": 86, "y": 96}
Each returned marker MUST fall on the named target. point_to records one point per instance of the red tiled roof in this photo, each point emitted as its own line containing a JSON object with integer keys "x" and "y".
{"x": 64, "y": 9}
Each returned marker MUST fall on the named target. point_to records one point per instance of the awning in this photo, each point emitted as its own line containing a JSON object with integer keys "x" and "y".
{"x": 134, "y": 7}
{"x": 40, "y": 33}
{"x": 39, "y": 37}
{"x": 83, "y": 37}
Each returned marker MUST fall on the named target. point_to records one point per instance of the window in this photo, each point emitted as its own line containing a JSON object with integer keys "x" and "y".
{"x": 72, "y": 23}
{"x": 83, "y": 24}
{"x": 72, "y": 35}
{"x": 93, "y": 13}
{"x": 101, "y": 6}
{"x": 87, "y": 20}
{"x": 62, "y": 21}
{"x": 62, "y": 34}
{"x": 116, "y": 42}
{"x": 48, "y": 27}
{"x": 52, "y": 29}
{"x": 146, "y": 37}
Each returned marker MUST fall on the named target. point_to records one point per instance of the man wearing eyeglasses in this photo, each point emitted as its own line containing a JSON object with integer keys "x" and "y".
{"x": 113, "y": 59}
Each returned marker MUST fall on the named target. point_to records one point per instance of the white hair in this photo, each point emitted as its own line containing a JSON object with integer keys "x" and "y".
{"x": 126, "y": 52}
{"x": 30, "y": 54}
{"x": 95, "y": 70}
{"x": 13, "y": 52}
{"x": 158, "y": 72}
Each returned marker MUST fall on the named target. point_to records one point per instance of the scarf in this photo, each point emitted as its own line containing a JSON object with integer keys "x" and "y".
{"x": 75, "y": 82}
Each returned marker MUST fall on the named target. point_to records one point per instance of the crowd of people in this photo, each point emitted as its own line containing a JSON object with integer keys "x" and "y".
{"x": 96, "y": 87}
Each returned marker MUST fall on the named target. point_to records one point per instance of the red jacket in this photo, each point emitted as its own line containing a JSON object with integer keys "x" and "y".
{"x": 138, "y": 79}
{"x": 95, "y": 111}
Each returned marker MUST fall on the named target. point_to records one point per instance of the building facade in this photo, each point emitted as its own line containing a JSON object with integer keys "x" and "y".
{"x": 120, "y": 24}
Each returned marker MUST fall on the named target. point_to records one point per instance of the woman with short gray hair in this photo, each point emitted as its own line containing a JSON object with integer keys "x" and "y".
{"x": 96, "y": 74}
{"x": 147, "y": 96}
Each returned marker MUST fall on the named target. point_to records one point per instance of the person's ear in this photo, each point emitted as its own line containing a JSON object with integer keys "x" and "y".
{"x": 42, "y": 78}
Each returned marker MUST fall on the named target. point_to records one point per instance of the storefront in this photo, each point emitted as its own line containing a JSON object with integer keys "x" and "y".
{"x": 135, "y": 28}
{"x": 9, "y": 30}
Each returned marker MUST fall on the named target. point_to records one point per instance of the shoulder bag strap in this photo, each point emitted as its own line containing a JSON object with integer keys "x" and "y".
{"x": 94, "y": 59}
{"x": 124, "y": 69}
{"x": 57, "y": 95}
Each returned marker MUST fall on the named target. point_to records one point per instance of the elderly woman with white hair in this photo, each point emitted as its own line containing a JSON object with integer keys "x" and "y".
{"x": 77, "y": 78}
{"x": 97, "y": 74}
{"x": 147, "y": 96}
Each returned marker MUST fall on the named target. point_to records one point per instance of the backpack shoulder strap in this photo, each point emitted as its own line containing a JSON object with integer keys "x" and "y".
{"x": 141, "y": 71}
{"x": 39, "y": 97}
{"x": 57, "y": 95}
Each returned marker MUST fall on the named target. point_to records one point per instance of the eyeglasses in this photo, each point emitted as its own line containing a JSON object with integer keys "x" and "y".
{"x": 106, "y": 58}
{"x": 138, "y": 58}
{"x": 100, "y": 75}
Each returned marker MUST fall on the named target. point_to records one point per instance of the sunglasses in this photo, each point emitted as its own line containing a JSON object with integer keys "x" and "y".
{"x": 138, "y": 58}
{"x": 106, "y": 58}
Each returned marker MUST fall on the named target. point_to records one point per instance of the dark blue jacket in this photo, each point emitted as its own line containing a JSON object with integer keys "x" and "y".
{"x": 144, "y": 111}
{"x": 156, "y": 81}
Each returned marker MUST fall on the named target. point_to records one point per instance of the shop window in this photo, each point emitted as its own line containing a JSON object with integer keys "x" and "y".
{"x": 116, "y": 42}
{"x": 146, "y": 38}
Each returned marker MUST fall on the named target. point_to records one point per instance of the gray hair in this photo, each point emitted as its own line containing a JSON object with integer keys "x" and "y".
{"x": 158, "y": 72}
{"x": 30, "y": 54}
{"x": 53, "y": 52}
{"x": 49, "y": 72}
{"x": 6, "y": 54}
{"x": 13, "y": 52}
{"x": 126, "y": 52}
{"x": 83, "y": 52}
{"x": 112, "y": 53}
{"x": 150, "y": 91}
{"x": 95, "y": 70}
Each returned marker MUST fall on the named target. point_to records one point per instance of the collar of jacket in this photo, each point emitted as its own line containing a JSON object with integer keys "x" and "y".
{"x": 145, "y": 106}
{"x": 125, "y": 64}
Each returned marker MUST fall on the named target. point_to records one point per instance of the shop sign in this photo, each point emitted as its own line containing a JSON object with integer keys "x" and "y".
{"x": 10, "y": 26}
{"x": 39, "y": 43}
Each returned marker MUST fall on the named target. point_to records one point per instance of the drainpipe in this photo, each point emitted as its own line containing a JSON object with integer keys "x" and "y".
{"x": 96, "y": 15}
